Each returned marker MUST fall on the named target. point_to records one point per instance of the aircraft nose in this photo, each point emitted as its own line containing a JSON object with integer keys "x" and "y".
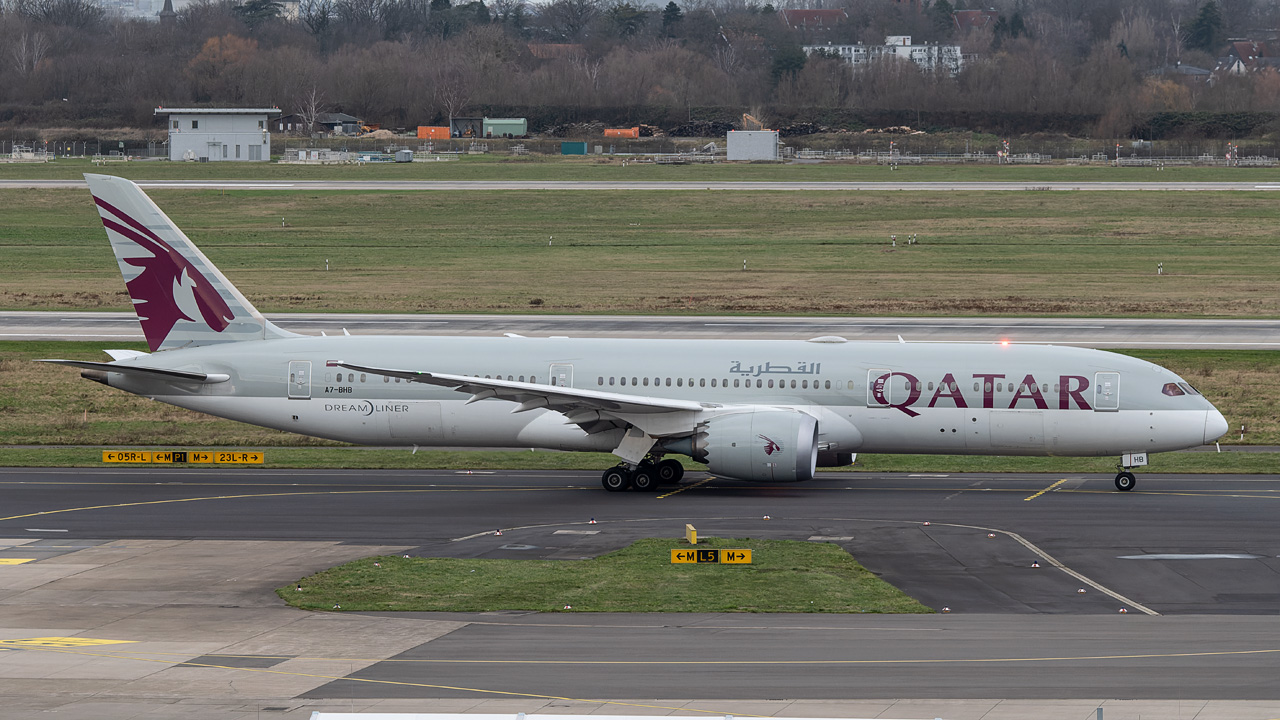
{"x": 1215, "y": 426}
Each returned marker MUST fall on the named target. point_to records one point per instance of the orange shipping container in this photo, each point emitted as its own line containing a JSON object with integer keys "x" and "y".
{"x": 433, "y": 132}
{"x": 623, "y": 132}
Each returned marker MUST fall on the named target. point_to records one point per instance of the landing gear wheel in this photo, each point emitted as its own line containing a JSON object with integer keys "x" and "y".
{"x": 668, "y": 471}
{"x": 616, "y": 479}
{"x": 1125, "y": 481}
{"x": 644, "y": 479}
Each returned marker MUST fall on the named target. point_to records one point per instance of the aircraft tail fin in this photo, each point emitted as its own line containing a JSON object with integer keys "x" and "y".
{"x": 181, "y": 299}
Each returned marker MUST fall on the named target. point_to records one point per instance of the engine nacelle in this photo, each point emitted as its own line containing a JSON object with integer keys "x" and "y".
{"x": 763, "y": 445}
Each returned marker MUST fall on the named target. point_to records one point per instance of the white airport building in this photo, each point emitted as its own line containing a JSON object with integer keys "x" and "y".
{"x": 928, "y": 56}
{"x": 219, "y": 134}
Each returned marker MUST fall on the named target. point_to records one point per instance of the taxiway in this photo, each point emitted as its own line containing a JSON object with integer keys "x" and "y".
{"x": 177, "y": 567}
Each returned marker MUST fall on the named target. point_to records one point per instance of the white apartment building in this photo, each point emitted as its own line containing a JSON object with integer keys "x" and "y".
{"x": 927, "y": 56}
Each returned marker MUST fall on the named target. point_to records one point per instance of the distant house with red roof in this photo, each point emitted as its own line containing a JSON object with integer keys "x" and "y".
{"x": 813, "y": 18}
{"x": 1247, "y": 56}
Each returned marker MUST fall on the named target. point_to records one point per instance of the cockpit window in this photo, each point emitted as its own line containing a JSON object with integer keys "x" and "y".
{"x": 1173, "y": 390}
{"x": 1190, "y": 390}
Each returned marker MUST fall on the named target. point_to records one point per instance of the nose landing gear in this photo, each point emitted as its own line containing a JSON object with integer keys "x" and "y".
{"x": 1125, "y": 480}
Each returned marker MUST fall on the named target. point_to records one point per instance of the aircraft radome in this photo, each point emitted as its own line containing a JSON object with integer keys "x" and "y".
{"x": 755, "y": 410}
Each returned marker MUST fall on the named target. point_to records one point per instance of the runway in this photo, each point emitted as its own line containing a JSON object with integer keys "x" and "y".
{"x": 182, "y": 564}
{"x": 1084, "y": 332}
{"x": 681, "y": 185}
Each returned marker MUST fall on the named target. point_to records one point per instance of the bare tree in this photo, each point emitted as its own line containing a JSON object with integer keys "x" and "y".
{"x": 317, "y": 15}
{"x": 453, "y": 78}
{"x": 28, "y": 51}
{"x": 309, "y": 107}
{"x": 567, "y": 19}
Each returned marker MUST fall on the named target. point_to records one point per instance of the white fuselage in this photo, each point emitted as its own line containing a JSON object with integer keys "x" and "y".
{"x": 867, "y": 397}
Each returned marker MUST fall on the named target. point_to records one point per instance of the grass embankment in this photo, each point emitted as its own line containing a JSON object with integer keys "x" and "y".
{"x": 500, "y": 166}
{"x": 786, "y": 576}
{"x": 980, "y": 253}
{"x": 50, "y": 405}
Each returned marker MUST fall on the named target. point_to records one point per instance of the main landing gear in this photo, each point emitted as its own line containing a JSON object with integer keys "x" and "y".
{"x": 645, "y": 477}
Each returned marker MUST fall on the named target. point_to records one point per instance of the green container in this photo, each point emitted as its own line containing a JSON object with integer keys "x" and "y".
{"x": 505, "y": 127}
{"x": 573, "y": 148}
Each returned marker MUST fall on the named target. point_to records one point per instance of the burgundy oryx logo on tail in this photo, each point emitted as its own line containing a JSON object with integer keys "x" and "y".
{"x": 169, "y": 288}
{"x": 770, "y": 447}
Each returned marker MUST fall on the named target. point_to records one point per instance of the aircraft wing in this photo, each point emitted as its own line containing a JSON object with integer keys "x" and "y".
{"x": 153, "y": 373}
{"x": 591, "y": 409}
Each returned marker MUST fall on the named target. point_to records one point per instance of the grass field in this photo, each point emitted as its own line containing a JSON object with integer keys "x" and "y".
{"x": 785, "y": 576}
{"x": 1012, "y": 253}
{"x": 51, "y": 406}
{"x": 541, "y": 167}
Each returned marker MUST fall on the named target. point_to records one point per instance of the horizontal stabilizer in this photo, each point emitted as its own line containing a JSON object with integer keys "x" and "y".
{"x": 153, "y": 373}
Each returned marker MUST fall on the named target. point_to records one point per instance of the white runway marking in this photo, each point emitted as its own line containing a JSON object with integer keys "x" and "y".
{"x": 234, "y": 186}
{"x": 1205, "y": 556}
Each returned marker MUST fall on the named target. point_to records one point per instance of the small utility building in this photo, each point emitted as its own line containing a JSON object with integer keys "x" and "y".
{"x": 218, "y": 134}
{"x": 752, "y": 145}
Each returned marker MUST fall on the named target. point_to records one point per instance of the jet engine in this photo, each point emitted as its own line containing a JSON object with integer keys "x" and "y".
{"x": 762, "y": 445}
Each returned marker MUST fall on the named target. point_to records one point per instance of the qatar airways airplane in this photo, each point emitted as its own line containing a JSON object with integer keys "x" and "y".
{"x": 754, "y": 410}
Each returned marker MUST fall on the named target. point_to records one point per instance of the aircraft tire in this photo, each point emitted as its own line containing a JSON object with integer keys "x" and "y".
{"x": 616, "y": 479}
{"x": 1125, "y": 481}
{"x": 644, "y": 479}
{"x": 669, "y": 471}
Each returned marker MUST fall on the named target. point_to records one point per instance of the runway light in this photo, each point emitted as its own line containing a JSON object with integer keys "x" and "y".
{"x": 1035, "y": 564}
{"x": 299, "y": 588}
{"x": 377, "y": 564}
{"x": 946, "y": 609}
{"x": 766, "y": 517}
{"x": 1004, "y": 343}
{"x": 406, "y": 557}
{"x": 1124, "y": 611}
{"x": 991, "y": 535}
{"x": 568, "y": 607}
{"x": 498, "y": 531}
{"x": 593, "y": 521}
{"x": 926, "y": 523}
{"x": 1080, "y": 591}
{"x": 336, "y": 606}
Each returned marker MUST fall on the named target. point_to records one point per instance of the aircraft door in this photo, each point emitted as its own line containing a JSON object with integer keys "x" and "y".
{"x": 1106, "y": 391}
{"x": 879, "y": 388}
{"x": 300, "y": 380}
{"x": 561, "y": 374}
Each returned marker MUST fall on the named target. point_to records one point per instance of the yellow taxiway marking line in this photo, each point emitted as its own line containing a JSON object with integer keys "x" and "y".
{"x": 15, "y": 561}
{"x": 679, "y": 490}
{"x": 1033, "y": 497}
